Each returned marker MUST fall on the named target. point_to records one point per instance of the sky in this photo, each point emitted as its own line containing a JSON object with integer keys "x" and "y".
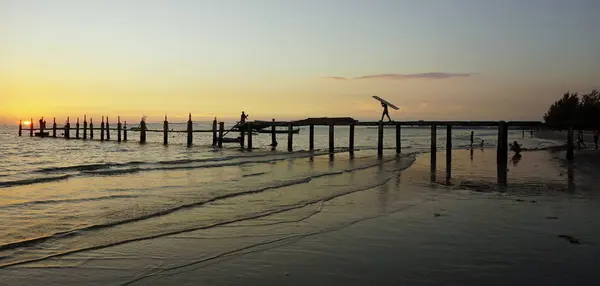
{"x": 287, "y": 59}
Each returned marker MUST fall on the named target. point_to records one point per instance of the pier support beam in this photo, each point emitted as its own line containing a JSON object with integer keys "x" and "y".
{"x": 165, "y": 131}
{"x": 77, "y": 128}
{"x": 190, "y": 134}
{"x": 351, "y": 140}
{"x": 20, "y": 127}
{"x": 242, "y": 136}
{"x": 53, "y": 128}
{"x": 273, "y": 135}
{"x": 311, "y": 137}
{"x": 142, "y": 132}
{"x": 91, "y": 128}
{"x": 125, "y": 132}
{"x": 448, "y": 151}
{"x": 433, "y": 145}
{"x": 331, "y": 138}
{"x": 214, "y": 131}
{"x": 31, "y": 127}
{"x": 85, "y": 127}
{"x": 107, "y": 130}
{"x": 221, "y": 131}
{"x": 290, "y": 137}
{"x": 570, "y": 145}
{"x": 380, "y": 139}
{"x": 502, "y": 152}
{"x": 398, "y": 139}
{"x": 249, "y": 136}
{"x": 119, "y": 129}
{"x": 68, "y": 129}
{"x": 102, "y": 129}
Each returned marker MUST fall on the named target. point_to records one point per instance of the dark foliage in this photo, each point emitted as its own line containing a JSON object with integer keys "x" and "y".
{"x": 582, "y": 112}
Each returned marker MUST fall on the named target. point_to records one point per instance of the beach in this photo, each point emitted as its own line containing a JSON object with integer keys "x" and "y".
{"x": 279, "y": 218}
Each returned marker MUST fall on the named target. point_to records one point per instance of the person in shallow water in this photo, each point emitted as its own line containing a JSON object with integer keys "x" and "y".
{"x": 385, "y": 112}
{"x": 516, "y": 148}
{"x": 472, "y": 138}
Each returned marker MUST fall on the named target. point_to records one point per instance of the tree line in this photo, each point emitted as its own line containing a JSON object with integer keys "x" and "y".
{"x": 580, "y": 111}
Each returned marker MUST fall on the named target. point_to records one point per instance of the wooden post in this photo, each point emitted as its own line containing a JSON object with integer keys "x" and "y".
{"x": 448, "y": 149}
{"x": 273, "y": 135}
{"x": 380, "y": 139}
{"x": 31, "y": 127}
{"x": 102, "y": 129}
{"x": 502, "y": 152}
{"x": 68, "y": 129}
{"x": 91, "y": 128}
{"x": 221, "y": 131}
{"x": 570, "y": 145}
{"x": 54, "y": 128}
{"x": 311, "y": 137}
{"x": 142, "y": 132}
{"x": 433, "y": 145}
{"x": 85, "y": 126}
{"x": 119, "y": 129}
{"x": 331, "y": 139}
{"x": 20, "y": 127}
{"x": 290, "y": 137}
{"x": 107, "y": 130}
{"x": 190, "y": 135}
{"x": 242, "y": 136}
{"x": 215, "y": 140}
{"x": 249, "y": 136}
{"x": 166, "y": 131}
{"x": 125, "y": 131}
{"x": 398, "y": 139}
{"x": 77, "y": 128}
{"x": 351, "y": 140}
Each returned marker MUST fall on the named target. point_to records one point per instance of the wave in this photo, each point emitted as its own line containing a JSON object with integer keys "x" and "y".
{"x": 33, "y": 181}
{"x": 44, "y": 202}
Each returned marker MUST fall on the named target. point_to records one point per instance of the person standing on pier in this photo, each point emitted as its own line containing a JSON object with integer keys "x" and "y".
{"x": 385, "y": 112}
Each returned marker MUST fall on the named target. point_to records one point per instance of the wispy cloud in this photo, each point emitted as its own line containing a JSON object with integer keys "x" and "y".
{"x": 397, "y": 76}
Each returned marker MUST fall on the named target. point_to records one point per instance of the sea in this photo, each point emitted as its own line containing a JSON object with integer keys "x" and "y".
{"x": 88, "y": 201}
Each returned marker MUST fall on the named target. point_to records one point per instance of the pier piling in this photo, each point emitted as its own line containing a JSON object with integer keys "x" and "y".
{"x": 190, "y": 135}
{"x": 448, "y": 150}
{"x": 331, "y": 139}
{"x": 221, "y": 131}
{"x": 570, "y": 145}
{"x": 31, "y": 127}
{"x": 77, "y": 128}
{"x": 54, "y": 128}
{"x": 398, "y": 139}
{"x": 165, "y": 131}
{"x": 68, "y": 129}
{"x": 502, "y": 152}
{"x": 125, "y": 131}
{"x": 311, "y": 137}
{"x": 107, "y": 130}
{"x": 351, "y": 140}
{"x": 380, "y": 139}
{"x": 290, "y": 137}
{"x": 249, "y": 136}
{"x": 273, "y": 135}
{"x": 20, "y": 127}
{"x": 91, "y": 128}
{"x": 85, "y": 126}
{"x": 102, "y": 129}
{"x": 214, "y": 132}
{"x": 119, "y": 129}
{"x": 242, "y": 136}
{"x": 142, "y": 132}
{"x": 433, "y": 145}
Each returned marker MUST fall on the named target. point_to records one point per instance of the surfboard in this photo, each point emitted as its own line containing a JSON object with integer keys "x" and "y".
{"x": 386, "y": 102}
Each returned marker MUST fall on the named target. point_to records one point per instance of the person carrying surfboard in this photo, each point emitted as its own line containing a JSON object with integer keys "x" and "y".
{"x": 385, "y": 112}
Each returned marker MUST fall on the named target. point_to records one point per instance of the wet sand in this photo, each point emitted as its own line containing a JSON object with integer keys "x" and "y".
{"x": 410, "y": 231}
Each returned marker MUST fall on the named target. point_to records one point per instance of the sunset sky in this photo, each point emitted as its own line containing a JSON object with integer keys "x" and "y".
{"x": 459, "y": 59}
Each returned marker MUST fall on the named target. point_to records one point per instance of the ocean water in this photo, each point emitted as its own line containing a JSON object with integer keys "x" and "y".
{"x": 60, "y": 198}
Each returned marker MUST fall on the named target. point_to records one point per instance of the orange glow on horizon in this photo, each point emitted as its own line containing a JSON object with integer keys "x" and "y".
{"x": 26, "y": 122}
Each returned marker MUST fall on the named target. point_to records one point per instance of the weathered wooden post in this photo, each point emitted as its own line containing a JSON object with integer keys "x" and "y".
{"x": 68, "y": 129}
{"x": 351, "y": 140}
{"x": 142, "y": 132}
{"x": 242, "y": 135}
{"x": 20, "y": 127}
{"x": 102, "y": 129}
{"x": 85, "y": 126}
{"x": 570, "y": 145}
{"x": 380, "y": 139}
{"x": 214, "y": 130}
{"x": 125, "y": 131}
{"x": 166, "y": 131}
{"x": 502, "y": 152}
{"x": 398, "y": 138}
{"x": 249, "y": 136}
{"x": 290, "y": 137}
{"x": 331, "y": 139}
{"x": 190, "y": 135}
{"x": 311, "y": 137}
{"x": 31, "y": 127}
{"x": 221, "y": 131}
{"x": 448, "y": 149}
{"x": 91, "y": 128}
{"x": 433, "y": 145}
{"x": 77, "y": 128}
{"x": 107, "y": 130}
{"x": 119, "y": 129}
{"x": 273, "y": 135}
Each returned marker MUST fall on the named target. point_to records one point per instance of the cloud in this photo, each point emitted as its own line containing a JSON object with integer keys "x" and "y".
{"x": 397, "y": 76}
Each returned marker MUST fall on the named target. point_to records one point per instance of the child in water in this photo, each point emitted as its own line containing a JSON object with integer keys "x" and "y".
{"x": 516, "y": 148}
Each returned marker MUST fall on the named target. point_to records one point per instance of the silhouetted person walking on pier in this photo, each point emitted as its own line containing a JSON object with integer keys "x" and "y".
{"x": 385, "y": 112}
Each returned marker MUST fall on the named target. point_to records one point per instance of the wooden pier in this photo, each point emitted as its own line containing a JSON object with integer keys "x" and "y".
{"x": 246, "y": 130}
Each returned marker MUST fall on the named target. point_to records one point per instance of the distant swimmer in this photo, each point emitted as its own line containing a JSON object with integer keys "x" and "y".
{"x": 516, "y": 148}
{"x": 243, "y": 118}
{"x": 472, "y": 138}
{"x": 385, "y": 112}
